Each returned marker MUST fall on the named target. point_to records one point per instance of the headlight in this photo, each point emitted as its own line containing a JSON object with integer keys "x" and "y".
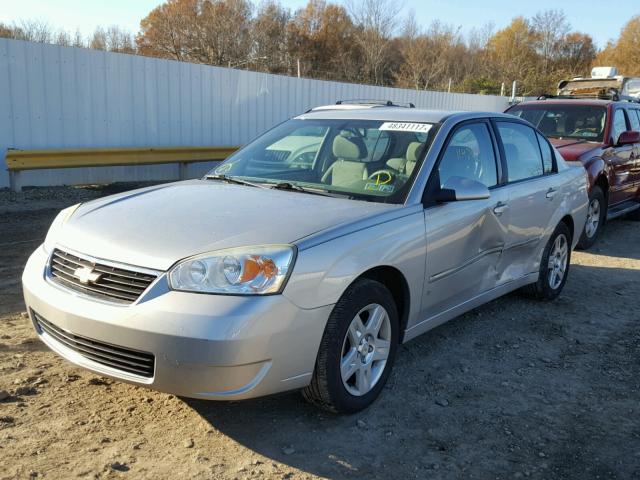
{"x": 58, "y": 222}
{"x": 237, "y": 271}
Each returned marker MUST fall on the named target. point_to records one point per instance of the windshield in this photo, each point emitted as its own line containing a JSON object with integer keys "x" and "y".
{"x": 362, "y": 159}
{"x": 584, "y": 122}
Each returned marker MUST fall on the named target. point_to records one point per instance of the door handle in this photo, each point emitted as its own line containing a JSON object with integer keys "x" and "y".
{"x": 551, "y": 193}
{"x": 500, "y": 208}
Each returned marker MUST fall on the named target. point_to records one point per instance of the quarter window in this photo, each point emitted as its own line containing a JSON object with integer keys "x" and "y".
{"x": 634, "y": 118}
{"x": 521, "y": 150}
{"x": 547, "y": 154}
{"x": 619, "y": 125}
{"x": 470, "y": 154}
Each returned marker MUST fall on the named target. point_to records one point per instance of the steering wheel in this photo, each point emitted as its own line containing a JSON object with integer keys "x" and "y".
{"x": 382, "y": 177}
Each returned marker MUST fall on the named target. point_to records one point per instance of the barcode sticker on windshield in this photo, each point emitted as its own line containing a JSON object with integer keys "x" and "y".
{"x": 406, "y": 127}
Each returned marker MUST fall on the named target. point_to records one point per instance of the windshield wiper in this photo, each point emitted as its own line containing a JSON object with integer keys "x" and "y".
{"x": 292, "y": 187}
{"x": 234, "y": 180}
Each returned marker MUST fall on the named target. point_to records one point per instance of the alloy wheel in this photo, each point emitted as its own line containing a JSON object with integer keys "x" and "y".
{"x": 365, "y": 349}
{"x": 558, "y": 258}
{"x": 593, "y": 218}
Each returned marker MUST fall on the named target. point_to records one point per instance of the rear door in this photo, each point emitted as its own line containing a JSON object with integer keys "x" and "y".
{"x": 464, "y": 238}
{"x": 532, "y": 187}
{"x": 621, "y": 158}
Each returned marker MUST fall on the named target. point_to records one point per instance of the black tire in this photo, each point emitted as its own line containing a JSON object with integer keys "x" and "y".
{"x": 326, "y": 389}
{"x": 586, "y": 241}
{"x": 542, "y": 289}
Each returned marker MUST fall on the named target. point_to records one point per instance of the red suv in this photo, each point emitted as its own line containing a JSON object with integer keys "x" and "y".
{"x": 605, "y": 136}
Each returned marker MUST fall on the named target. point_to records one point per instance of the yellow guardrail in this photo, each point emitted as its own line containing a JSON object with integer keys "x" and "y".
{"x": 19, "y": 160}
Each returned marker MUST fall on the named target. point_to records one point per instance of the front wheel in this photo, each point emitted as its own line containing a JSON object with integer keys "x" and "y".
{"x": 554, "y": 266}
{"x": 357, "y": 349}
{"x": 595, "y": 218}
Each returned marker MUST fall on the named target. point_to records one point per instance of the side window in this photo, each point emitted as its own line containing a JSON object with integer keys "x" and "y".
{"x": 521, "y": 151}
{"x": 470, "y": 154}
{"x": 634, "y": 118}
{"x": 619, "y": 125}
{"x": 547, "y": 154}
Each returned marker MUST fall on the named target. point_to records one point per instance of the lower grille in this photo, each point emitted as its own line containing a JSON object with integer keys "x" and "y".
{"x": 109, "y": 283}
{"x": 119, "y": 358}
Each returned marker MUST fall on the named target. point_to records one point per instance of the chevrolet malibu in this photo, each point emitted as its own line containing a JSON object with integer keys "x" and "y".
{"x": 307, "y": 257}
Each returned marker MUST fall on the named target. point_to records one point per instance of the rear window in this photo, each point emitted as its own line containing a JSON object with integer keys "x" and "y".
{"x": 585, "y": 122}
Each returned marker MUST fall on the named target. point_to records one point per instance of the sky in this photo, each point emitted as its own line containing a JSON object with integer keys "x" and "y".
{"x": 602, "y": 20}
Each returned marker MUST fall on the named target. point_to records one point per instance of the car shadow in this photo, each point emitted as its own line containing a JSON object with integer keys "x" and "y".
{"x": 609, "y": 243}
{"x": 510, "y": 387}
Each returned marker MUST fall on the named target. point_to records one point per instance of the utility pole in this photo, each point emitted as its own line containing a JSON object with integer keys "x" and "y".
{"x": 513, "y": 91}
{"x": 449, "y": 90}
{"x": 298, "y": 68}
{"x": 502, "y": 90}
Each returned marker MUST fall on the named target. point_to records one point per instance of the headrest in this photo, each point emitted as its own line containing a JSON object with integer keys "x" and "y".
{"x": 352, "y": 148}
{"x": 412, "y": 151}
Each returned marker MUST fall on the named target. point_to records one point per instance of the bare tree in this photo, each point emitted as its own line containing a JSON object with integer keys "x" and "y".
{"x": 269, "y": 37}
{"x": 98, "y": 40}
{"x": 78, "y": 39}
{"x": 119, "y": 40}
{"x": 377, "y": 21}
{"x": 431, "y": 58}
{"x": 33, "y": 31}
{"x": 551, "y": 27}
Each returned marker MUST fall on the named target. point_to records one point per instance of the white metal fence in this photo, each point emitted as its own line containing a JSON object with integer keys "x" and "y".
{"x": 66, "y": 97}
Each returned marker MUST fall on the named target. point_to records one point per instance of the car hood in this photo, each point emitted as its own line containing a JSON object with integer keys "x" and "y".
{"x": 157, "y": 226}
{"x": 572, "y": 149}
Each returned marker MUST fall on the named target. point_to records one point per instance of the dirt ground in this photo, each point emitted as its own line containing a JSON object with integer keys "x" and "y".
{"x": 514, "y": 389}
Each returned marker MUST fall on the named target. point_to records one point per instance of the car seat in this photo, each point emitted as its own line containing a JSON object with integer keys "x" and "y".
{"x": 348, "y": 166}
{"x": 412, "y": 156}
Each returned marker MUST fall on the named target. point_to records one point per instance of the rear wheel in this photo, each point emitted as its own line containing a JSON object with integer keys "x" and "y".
{"x": 554, "y": 266}
{"x": 596, "y": 216}
{"x": 357, "y": 349}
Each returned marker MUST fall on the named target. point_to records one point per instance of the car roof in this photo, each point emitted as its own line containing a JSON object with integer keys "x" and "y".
{"x": 393, "y": 114}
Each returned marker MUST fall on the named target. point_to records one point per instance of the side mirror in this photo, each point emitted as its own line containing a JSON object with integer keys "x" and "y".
{"x": 458, "y": 189}
{"x": 630, "y": 136}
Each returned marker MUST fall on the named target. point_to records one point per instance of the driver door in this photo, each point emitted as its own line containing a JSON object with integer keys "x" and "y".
{"x": 465, "y": 238}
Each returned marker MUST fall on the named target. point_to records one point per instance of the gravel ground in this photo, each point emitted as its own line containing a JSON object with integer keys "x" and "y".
{"x": 514, "y": 389}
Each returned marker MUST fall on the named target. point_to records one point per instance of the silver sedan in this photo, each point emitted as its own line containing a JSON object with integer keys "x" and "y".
{"x": 307, "y": 257}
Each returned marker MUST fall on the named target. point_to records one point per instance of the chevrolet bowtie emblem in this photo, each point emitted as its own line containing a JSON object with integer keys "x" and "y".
{"x": 86, "y": 275}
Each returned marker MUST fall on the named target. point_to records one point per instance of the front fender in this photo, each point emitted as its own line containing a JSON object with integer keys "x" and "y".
{"x": 323, "y": 272}
{"x": 596, "y": 167}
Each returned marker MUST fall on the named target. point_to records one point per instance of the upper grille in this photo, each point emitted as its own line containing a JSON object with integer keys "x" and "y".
{"x": 120, "y": 358}
{"x": 112, "y": 283}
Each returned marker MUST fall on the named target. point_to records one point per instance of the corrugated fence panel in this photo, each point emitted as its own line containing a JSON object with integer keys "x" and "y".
{"x": 65, "y": 97}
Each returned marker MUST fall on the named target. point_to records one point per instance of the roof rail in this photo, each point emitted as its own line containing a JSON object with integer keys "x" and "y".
{"x": 381, "y": 103}
{"x": 592, "y": 96}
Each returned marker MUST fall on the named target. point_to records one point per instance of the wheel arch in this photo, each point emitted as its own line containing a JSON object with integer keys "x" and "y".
{"x": 603, "y": 182}
{"x": 395, "y": 281}
{"x": 568, "y": 221}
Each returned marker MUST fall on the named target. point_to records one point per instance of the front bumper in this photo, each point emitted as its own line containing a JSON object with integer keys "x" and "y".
{"x": 205, "y": 346}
